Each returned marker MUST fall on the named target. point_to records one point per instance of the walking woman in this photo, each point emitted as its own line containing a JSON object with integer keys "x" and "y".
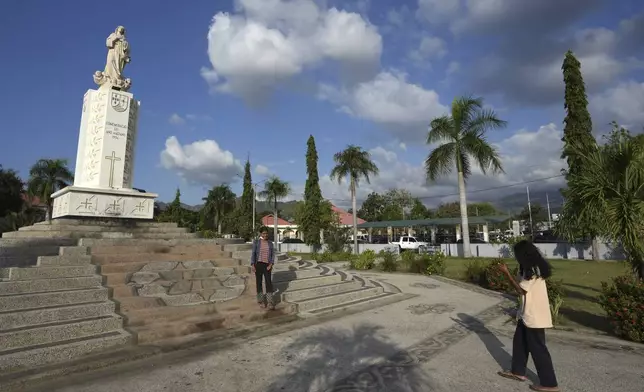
{"x": 261, "y": 260}
{"x": 534, "y": 318}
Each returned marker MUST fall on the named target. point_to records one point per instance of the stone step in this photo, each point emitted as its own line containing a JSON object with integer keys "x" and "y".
{"x": 145, "y": 242}
{"x": 337, "y": 299}
{"x": 125, "y": 223}
{"x": 18, "y": 274}
{"x": 63, "y": 351}
{"x": 104, "y": 229}
{"x": 214, "y": 249}
{"x": 376, "y": 301}
{"x": 27, "y": 301}
{"x": 18, "y": 261}
{"x": 55, "y": 332}
{"x": 166, "y": 266}
{"x": 126, "y": 305}
{"x": 305, "y": 283}
{"x": 17, "y": 242}
{"x": 156, "y": 257}
{"x": 319, "y": 291}
{"x": 142, "y": 317}
{"x": 286, "y": 266}
{"x": 190, "y": 325}
{"x": 29, "y": 250}
{"x": 73, "y": 251}
{"x": 237, "y": 247}
{"x": 280, "y": 276}
{"x": 124, "y": 290}
{"x": 44, "y": 285}
{"x": 51, "y": 261}
{"x": 25, "y": 318}
{"x": 78, "y": 234}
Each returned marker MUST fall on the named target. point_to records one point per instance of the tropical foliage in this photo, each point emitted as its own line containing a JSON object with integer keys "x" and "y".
{"x": 353, "y": 164}
{"x": 275, "y": 190}
{"x": 219, "y": 202}
{"x": 463, "y": 142}
{"x": 48, "y": 176}
{"x": 311, "y": 214}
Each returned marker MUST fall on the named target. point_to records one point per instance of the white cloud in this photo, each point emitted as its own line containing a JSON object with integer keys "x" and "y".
{"x": 526, "y": 156}
{"x": 623, "y": 103}
{"x": 402, "y": 146}
{"x": 429, "y": 48}
{"x": 176, "y": 119}
{"x": 262, "y": 170}
{"x": 389, "y": 100}
{"x": 452, "y": 68}
{"x": 270, "y": 41}
{"x": 203, "y": 161}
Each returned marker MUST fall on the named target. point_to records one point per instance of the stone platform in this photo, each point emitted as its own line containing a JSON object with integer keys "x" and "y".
{"x": 74, "y": 288}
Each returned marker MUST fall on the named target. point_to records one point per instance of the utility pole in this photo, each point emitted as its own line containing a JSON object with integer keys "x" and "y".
{"x": 530, "y": 212}
{"x": 549, "y": 214}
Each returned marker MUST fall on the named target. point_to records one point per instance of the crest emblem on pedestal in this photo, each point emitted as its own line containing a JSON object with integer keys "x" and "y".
{"x": 120, "y": 102}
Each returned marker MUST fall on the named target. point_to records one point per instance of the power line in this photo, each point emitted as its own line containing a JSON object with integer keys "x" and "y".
{"x": 477, "y": 190}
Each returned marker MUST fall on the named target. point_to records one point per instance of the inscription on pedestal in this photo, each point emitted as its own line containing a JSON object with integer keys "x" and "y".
{"x": 88, "y": 205}
{"x": 115, "y": 207}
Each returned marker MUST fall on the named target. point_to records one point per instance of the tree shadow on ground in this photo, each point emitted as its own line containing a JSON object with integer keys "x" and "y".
{"x": 578, "y": 286}
{"x": 358, "y": 359}
{"x": 494, "y": 346}
{"x": 581, "y": 296}
{"x": 586, "y": 319}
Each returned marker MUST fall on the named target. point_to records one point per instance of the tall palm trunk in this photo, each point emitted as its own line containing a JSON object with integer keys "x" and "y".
{"x": 594, "y": 243}
{"x": 355, "y": 216}
{"x": 275, "y": 239}
{"x": 465, "y": 227}
{"x": 50, "y": 210}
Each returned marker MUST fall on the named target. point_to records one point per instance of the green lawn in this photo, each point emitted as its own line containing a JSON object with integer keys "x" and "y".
{"x": 582, "y": 282}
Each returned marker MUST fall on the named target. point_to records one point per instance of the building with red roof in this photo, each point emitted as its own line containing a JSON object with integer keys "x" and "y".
{"x": 345, "y": 218}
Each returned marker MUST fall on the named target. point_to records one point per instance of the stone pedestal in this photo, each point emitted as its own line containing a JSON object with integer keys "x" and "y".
{"x": 105, "y": 161}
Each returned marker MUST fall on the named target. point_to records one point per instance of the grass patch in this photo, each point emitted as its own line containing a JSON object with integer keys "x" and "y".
{"x": 581, "y": 283}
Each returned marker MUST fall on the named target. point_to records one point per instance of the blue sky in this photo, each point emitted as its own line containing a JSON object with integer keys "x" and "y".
{"x": 263, "y": 75}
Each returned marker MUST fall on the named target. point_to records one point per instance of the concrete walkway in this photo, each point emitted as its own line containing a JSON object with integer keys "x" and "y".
{"x": 450, "y": 337}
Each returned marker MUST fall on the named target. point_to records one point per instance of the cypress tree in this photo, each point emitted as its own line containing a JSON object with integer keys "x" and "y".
{"x": 311, "y": 221}
{"x": 578, "y": 124}
{"x": 577, "y": 139}
{"x": 245, "y": 215}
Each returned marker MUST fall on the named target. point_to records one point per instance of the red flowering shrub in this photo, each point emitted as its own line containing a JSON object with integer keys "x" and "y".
{"x": 623, "y": 301}
{"x": 496, "y": 280}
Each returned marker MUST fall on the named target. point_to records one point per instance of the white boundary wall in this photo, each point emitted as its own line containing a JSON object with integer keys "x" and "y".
{"x": 580, "y": 251}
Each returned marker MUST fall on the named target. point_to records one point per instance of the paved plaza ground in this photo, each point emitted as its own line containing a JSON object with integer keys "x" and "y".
{"x": 450, "y": 337}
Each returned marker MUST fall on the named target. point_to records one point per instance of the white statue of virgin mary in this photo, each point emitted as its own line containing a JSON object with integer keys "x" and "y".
{"x": 118, "y": 54}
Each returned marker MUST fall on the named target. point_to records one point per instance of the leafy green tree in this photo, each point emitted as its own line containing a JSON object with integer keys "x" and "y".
{"x": 311, "y": 223}
{"x": 11, "y": 188}
{"x": 373, "y": 207}
{"x": 449, "y": 210}
{"x": 610, "y": 183}
{"x": 275, "y": 190}
{"x": 219, "y": 203}
{"x": 578, "y": 141}
{"x": 419, "y": 210}
{"x": 482, "y": 209}
{"x": 462, "y": 134}
{"x": 539, "y": 214}
{"x": 353, "y": 164}
{"x": 174, "y": 212}
{"x": 48, "y": 176}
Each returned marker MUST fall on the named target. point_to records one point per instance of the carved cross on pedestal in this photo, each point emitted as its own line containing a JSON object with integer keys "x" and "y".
{"x": 112, "y": 160}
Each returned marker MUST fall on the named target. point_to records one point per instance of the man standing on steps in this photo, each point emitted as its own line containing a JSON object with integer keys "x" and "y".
{"x": 262, "y": 259}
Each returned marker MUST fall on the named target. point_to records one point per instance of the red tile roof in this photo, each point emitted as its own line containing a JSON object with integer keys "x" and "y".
{"x": 345, "y": 217}
{"x": 268, "y": 221}
{"x": 35, "y": 200}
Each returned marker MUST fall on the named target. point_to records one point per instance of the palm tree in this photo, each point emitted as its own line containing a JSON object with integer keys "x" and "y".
{"x": 462, "y": 134}
{"x": 355, "y": 164}
{"x": 275, "y": 190}
{"x": 610, "y": 189}
{"x": 48, "y": 176}
{"x": 219, "y": 202}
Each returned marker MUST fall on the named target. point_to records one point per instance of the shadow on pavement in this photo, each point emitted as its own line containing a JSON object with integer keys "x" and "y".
{"x": 494, "y": 346}
{"x": 358, "y": 359}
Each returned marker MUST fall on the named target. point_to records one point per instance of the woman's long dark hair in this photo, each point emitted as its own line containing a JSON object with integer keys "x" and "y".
{"x": 531, "y": 262}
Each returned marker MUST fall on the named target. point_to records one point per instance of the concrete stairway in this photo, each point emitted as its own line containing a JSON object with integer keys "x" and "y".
{"x": 72, "y": 288}
{"x": 319, "y": 289}
{"x": 54, "y": 311}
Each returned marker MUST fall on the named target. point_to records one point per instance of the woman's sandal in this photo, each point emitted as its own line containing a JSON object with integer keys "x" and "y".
{"x": 512, "y": 376}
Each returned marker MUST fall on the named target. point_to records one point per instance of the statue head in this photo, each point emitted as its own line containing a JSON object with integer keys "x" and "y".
{"x": 120, "y": 30}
